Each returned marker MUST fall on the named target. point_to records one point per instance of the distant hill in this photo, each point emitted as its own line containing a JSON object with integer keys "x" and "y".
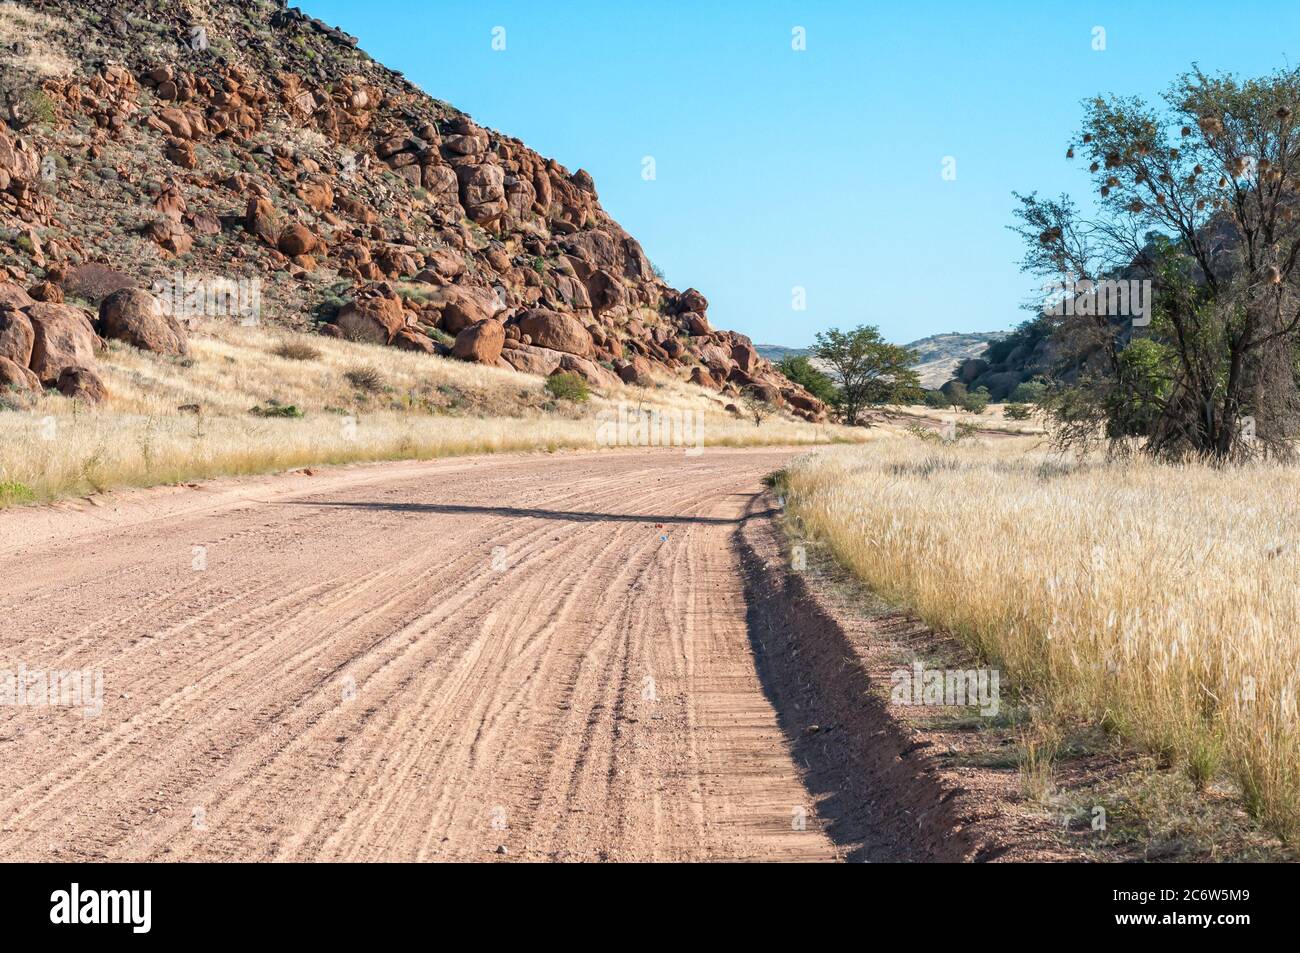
{"x": 777, "y": 352}
{"x": 940, "y": 353}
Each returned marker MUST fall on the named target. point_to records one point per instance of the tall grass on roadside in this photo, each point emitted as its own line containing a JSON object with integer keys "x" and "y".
{"x": 1161, "y": 602}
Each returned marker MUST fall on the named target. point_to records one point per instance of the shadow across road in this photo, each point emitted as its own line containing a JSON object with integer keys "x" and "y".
{"x": 566, "y": 516}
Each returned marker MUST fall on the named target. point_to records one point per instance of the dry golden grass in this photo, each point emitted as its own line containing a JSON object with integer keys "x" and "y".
{"x": 41, "y": 57}
{"x": 172, "y": 420}
{"x": 1160, "y": 602}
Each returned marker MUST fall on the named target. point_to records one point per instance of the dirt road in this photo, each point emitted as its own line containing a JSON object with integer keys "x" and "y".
{"x": 493, "y": 658}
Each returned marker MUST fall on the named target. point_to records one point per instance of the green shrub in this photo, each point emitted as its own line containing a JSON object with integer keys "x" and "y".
{"x": 935, "y": 399}
{"x": 1030, "y": 392}
{"x": 13, "y": 492}
{"x": 1017, "y": 411}
{"x": 568, "y": 387}
{"x": 976, "y": 401}
{"x": 801, "y": 371}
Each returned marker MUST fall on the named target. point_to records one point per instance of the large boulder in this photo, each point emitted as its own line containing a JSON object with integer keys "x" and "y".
{"x": 635, "y": 371}
{"x": 696, "y": 324}
{"x": 373, "y": 317}
{"x": 482, "y": 191}
{"x": 134, "y": 316}
{"x": 13, "y": 295}
{"x": 556, "y": 331}
{"x": 16, "y": 336}
{"x": 463, "y": 305}
{"x": 408, "y": 339}
{"x": 62, "y": 337}
{"x": 590, "y": 371}
{"x": 16, "y": 376}
{"x": 532, "y": 360}
{"x": 692, "y": 300}
{"x": 297, "y": 240}
{"x": 481, "y": 342}
{"x": 971, "y": 368}
{"x": 81, "y": 383}
{"x": 745, "y": 356}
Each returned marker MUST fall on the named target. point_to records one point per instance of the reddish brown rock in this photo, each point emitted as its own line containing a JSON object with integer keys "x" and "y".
{"x": 134, "y": 316}
{"x": 408, "y": 339}
{"x": 14, "y": 376}
{"x": 13, "y": 295}
{"x": 556, "y": 331}
{"x": 62, "y": 337}
{"x": 297, "y": 240}
{"x": 16, "y": 336}
{"x": 373, "y": 317}
{"x": 46, "y": 291}
{"x": 635, "y": 371}
{"x": 481, "y": 342}
{"x": 745, "y": 356}
{"x": 81, "y": 383}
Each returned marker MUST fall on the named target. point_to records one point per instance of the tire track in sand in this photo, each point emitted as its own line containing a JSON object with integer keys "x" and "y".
{"x": 592, "y": 696}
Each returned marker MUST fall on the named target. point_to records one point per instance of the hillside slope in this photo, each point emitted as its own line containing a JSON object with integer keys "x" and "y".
{"x": 940, "y": 354}
{"x": 245, "y": 160}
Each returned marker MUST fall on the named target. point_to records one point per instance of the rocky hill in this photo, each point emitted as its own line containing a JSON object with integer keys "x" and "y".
{"x": 940, "y": 354}
{"x": 248, "y": 159}
{"x": 1015, "y": 357}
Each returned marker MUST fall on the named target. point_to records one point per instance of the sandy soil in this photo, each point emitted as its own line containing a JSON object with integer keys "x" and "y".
{"x": 499, "y": 658}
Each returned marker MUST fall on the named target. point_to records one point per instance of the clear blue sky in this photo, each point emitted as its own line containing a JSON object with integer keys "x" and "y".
{"x": 821, "y": 168}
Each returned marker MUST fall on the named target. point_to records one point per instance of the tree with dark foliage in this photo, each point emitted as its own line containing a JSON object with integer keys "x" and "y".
{"x": 870, "y": 370}
{"x": 1200, "y": 198}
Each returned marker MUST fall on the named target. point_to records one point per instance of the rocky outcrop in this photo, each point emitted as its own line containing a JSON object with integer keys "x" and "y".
{"x": 134, "y": 316}
{"x": 41, "y": 340}
{"x": 480, "y": 342}
{"x": 293, "y": 159}
{"x": 556, "y": 331}
{"x": 81, "y": 383}
{"x": 374, "y": 316}
{"x": 16, "y": 335}
{"x": 17, "y": 377}
{"x": 63, "y": 337}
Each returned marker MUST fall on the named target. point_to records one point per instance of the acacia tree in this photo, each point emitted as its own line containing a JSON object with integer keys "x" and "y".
{"x": 869, "y": 369}
{"x": 1200, "y": 197}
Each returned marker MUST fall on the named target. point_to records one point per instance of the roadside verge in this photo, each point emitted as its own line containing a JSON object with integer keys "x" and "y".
{"x": 889, "y": 785}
